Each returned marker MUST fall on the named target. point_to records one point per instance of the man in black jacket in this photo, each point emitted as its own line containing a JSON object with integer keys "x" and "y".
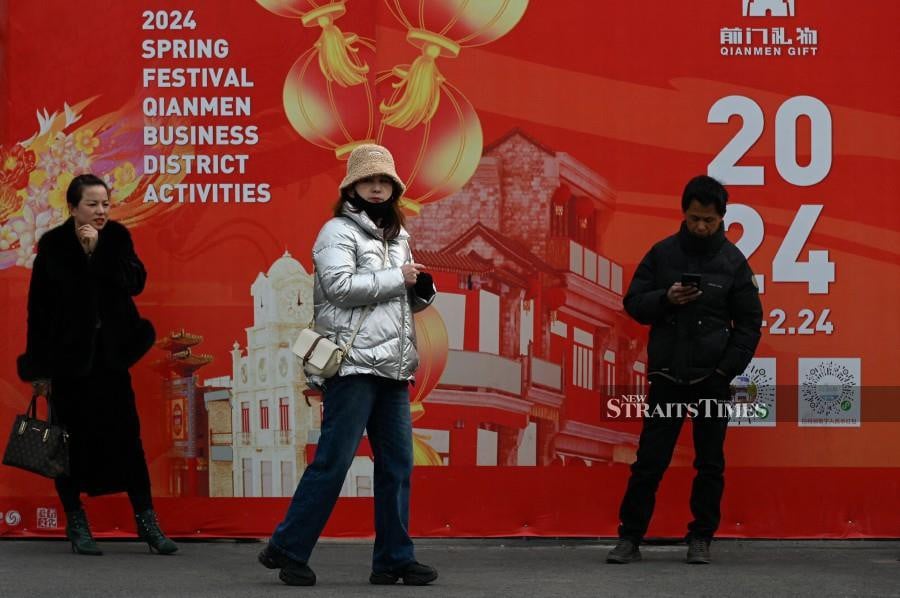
{"x": 704, "y": 328}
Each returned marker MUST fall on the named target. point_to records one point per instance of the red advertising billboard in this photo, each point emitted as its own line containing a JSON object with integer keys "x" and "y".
{"x": 544, "y": 146}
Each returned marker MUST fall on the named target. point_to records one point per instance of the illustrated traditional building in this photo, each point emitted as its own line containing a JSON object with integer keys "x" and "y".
{"x": 217, "y": 397}
{"x": 270, "y": 418}
{"x": 272, "y": 427}
{"x": 533, "y": 310}
{"x": 186, "y": 421}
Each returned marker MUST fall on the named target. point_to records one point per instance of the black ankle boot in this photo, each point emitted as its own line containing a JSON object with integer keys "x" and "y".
{"x": 148, "y": 531}
{"x": 78, "y": 532}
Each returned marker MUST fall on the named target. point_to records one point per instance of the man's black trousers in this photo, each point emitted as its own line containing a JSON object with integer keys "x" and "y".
{"x": 656, "y": 445}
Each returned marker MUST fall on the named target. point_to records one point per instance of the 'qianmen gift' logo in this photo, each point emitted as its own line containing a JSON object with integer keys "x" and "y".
{"x": 751, "y": 39}
{"x": 768, "y": 8}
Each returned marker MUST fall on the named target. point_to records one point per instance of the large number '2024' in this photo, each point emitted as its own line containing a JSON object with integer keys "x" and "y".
{"x": 817, "y": 271}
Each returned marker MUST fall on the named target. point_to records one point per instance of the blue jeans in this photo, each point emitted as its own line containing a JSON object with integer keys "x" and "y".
{"x": 353, "y": 404}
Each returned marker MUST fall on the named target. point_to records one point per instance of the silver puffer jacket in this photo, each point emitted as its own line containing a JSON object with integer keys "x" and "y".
{"x": 352, "y": 279}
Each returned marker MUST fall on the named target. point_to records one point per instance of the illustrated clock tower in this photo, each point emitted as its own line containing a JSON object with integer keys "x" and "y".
{"x": 272, "y": 422}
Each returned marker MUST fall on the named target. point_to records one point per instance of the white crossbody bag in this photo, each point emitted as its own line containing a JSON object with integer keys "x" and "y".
{"x": 321, "y": 356}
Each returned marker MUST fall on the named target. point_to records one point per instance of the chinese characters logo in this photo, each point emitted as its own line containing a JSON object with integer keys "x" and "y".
{"x": 757, "y": 40}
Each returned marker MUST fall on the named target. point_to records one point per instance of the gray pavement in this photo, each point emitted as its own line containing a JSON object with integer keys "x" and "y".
{"x": 518, "y": 568}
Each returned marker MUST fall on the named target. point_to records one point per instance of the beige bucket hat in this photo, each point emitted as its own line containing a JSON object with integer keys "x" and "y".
{"x": 367, "y": 160}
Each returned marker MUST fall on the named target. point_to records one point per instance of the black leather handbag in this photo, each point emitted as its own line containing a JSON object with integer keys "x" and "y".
{"x": 36, "y": 445}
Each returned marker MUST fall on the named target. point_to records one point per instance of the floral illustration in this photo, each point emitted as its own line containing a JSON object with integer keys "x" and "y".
{"x": 35, "y": 173}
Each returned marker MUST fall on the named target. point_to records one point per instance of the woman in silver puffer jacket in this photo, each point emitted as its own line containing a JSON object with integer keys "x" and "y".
{"x": 359, "y": 274}
{"x": 365, "y": 278}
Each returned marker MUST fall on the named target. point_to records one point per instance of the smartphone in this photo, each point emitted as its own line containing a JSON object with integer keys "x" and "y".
{"x": 690, "y": 280}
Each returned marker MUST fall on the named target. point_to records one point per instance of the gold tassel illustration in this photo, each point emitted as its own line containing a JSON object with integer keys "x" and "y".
{"x": 421, "y": 85}
{"x": 423, "y": 454}
{"x": 336, "y": 51}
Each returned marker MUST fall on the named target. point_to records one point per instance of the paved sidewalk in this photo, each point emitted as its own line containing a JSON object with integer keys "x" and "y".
{"x": 518, "y": 568}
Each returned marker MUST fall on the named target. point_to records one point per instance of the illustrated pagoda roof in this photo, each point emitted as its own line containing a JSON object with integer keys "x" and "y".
{"x": 449, "y": 262}
{"x": 510, "y": 247}
{"x": 183, "y": 363}
{"x": 179, "y": 340}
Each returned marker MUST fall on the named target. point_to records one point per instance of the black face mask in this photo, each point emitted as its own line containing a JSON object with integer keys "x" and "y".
{"x": 701, "y": 245}
{"x": 375, "y": 211}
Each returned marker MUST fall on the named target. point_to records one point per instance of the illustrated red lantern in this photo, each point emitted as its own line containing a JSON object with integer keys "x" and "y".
{"x": 433, "y": 347}
{"x": 326, "y": 112}
{"x": 328, "y": 93}
{"x": 441, "y": 28}
{"x": 438, "y": 156}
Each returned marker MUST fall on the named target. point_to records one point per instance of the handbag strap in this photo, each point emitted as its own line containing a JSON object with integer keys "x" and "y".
{"x": 409, "y": 252}
{"x": 312, "y": 348}
{"x": 31, "y": 410}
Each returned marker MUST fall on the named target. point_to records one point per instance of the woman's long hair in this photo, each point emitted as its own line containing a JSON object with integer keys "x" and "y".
{"x": 393, "y": 219}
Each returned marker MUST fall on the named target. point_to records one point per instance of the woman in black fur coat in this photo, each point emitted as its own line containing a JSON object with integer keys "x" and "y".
{"x": 84, "y": 332}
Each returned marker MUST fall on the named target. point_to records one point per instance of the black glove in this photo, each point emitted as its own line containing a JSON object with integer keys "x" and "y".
{"x": 424, "y": 286}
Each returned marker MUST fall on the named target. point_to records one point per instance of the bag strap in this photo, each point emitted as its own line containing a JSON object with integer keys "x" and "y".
{"x": 31, "y": 410}
{"x": 312, "y": 348}
{"x": 409, "y": 252}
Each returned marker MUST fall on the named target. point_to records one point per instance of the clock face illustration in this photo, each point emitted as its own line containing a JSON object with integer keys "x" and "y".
{"x": 288, "y": 303}
{"x": 261, "y": 369}
{"x": 283, "y": 366}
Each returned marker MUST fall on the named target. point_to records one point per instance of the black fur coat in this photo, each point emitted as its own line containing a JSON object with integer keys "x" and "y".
{"x": 74, "y": 300}
{"x": 84, "y": 332}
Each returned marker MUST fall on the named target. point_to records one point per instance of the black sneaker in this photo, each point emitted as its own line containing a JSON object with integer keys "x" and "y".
{"x": 413, "y": 574}
{"x": 295, "y": 573}
{"x": 698, "y": 551}
{"x": 272, "y": 559}
{"x": 624, "y": 552}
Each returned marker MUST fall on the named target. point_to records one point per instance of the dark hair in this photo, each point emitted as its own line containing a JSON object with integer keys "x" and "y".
{"x": 393, "y": 219}
{"x": 707, "y": 191}
{"x": 76, "y": 187}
